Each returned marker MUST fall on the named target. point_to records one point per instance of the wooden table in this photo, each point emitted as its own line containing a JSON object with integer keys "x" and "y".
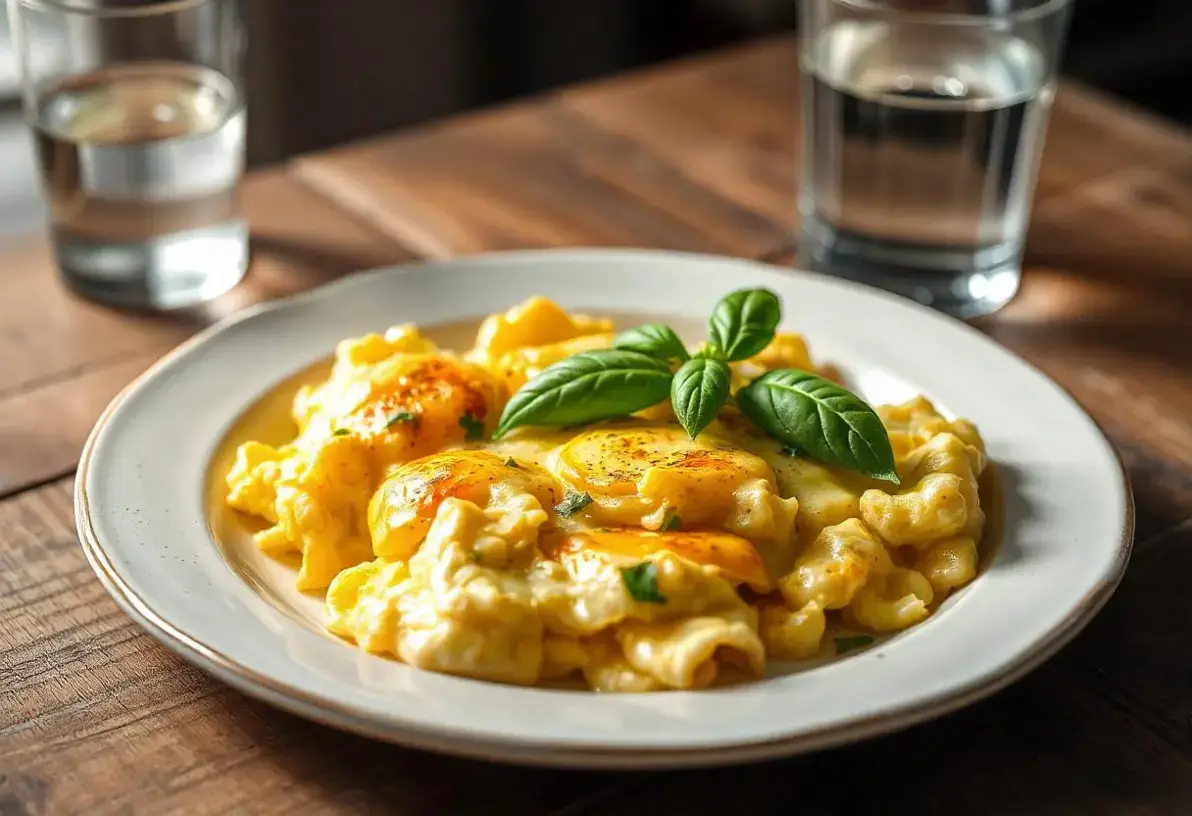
{"x": 95, "y": 717}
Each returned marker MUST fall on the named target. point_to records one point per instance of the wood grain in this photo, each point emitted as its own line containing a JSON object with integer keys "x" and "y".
{"x": 62, "y": 359}
{"x": 1117, "y": 351}
{"x": 46, "y": 336}
{"x": 1092, "y": 138}
{"x": 43, "y": 429}
{"x": 730, "y": 121}
{"x": 534, "y": 175}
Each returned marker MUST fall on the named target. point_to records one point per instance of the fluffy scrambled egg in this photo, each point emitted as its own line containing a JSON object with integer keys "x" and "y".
{"x": 623, "y": 554}
{"x": 388, "y": 400}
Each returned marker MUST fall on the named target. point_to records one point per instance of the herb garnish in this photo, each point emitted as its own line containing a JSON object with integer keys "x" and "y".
{"x": 821, "y": 418}
{"x": 806, "y": 413}
{"x": 653, "y": 339}
{"x": 587, "y": 387}
{"x": 848, "y": 643}
{"x": 398, "y": 417}
{"x": 642, "y": 582}
{"x": 340, "y": 432}
{"x": 572, "y": 503}
{"x": 743, "y": 323}
{"x": 699, "y": 389}
{"x": 673, "y": 523}
{"x": 473, "y": 427}
{"x": 511, "y": 463}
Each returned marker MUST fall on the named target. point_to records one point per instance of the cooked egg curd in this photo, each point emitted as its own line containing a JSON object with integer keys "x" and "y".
{"x": 623, "y": 554}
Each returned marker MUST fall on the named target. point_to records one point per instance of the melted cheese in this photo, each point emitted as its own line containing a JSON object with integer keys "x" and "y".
{"x": 647, "y": 475}
{"x": 401, "y": 511}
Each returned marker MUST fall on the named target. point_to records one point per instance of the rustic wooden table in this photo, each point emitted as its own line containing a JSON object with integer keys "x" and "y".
{"x": 96, "y": 717}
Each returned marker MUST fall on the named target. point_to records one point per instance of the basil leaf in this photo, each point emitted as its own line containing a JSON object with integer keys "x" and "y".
{"x": 653, "y": 339}
{"x": 642, "y": 582}
{"x": 699, "y": 389}
{"x": 572, "y": 503}
{"x": 743, "y": 323}
{"x": 398, "y": 417}
{"x": 473, "y": 427}
{"x": 848, "y": 643}
{"x": 588, "y": 387}
{"x": 821, "y": 418}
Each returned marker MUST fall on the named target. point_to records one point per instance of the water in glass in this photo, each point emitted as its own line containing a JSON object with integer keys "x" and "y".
{"x": 142, "y": 163}
{"x": 920, "y": 157}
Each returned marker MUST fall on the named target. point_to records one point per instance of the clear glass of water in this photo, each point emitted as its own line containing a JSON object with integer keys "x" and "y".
{"x": 923, "y": 123}
{"x": 139, "y": 118}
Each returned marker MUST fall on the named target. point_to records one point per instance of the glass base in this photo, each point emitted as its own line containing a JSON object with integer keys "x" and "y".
{"x": 965, "y": 282}
{"x": 166, "y": 272}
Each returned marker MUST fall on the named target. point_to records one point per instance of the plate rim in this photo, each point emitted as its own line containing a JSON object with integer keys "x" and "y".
{"x": 533, "y": 751}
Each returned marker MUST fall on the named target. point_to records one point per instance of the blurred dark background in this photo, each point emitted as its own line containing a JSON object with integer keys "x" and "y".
{"x": 323, "y": 72}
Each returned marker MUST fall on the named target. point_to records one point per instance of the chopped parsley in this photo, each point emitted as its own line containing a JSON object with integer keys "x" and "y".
{"x": 572, "y": 503}
{"x": 848, "y": 643}
{"x": 511, "y": 463}
{"x": 340, "y": 432}
{"x": 674, "y": 523}
{"x": 642, "y": 582}
{"x": 398, "y": 417}
{"x": 473, "y": 427}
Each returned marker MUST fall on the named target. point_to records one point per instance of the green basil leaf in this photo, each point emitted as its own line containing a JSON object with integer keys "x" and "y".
{"x": 813, "y": 415}
{"x": 699, "y": 389}
{"x": 399, "y": 417}
{"x": 586, "y": 388}
{"x": 572, "y": 503}
{"x": 743, "y": 322}
{"x": 849, "y": 643}
{"x": 642, "y": 582}
{"x": 653, "y": 339}
{"x": 473, "y": 427}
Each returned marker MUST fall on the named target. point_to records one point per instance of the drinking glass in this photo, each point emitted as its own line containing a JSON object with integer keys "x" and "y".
{"x": 923, "y": 122}
{"x": 138, "y": 114}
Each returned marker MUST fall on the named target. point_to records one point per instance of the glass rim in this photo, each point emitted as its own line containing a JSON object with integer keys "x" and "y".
{"x": 153, "y": 9}
{"x": 953, "y": 18}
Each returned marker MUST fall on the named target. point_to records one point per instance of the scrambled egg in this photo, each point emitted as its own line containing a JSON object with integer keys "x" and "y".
{"x": 622, "y": 554}
{"x": 388, "y": 400}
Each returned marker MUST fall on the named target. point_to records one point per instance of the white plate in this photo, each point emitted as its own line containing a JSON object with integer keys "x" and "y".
{"x": 143, "y": 517}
